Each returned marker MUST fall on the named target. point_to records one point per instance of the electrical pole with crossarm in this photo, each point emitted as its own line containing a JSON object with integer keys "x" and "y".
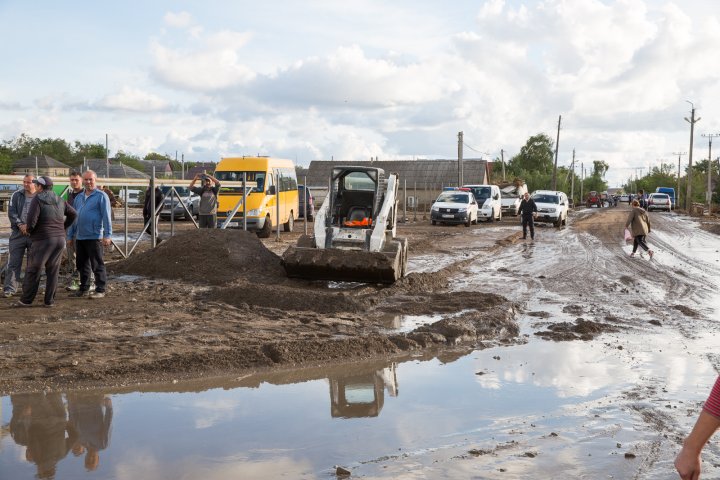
{"x": 708, "y": 192}
{"x": 692, "y": 121}
{"x": 677, "y": 192}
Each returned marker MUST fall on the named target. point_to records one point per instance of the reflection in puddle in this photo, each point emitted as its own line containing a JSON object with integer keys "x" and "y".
{"x": 373, "y": 418}
{"x": 408, "y": 323}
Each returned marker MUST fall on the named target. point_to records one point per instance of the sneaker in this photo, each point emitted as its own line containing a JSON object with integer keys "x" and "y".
{"x": 97, "y": 295}
{"x": 73, "y": 287}
{"x": 651, "y": 253}
{"x": 48, "y": 305}
{"x": 80, "y": 293}
{"x": 7, "y": 294}
{"x": 21, "y": 304}
{"x": 632, "y": 254}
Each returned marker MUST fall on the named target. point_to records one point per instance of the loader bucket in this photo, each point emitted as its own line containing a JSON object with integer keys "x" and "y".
{"x": 345, "y": 265}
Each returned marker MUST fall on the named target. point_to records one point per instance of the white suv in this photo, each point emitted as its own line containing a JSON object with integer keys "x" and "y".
{"x": 552, "y": 207}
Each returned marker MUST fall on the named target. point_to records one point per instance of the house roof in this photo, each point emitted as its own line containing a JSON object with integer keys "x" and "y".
{"x": 117, "y": 169}
{"x": 161, "y": 166}
{"x": 43, "y": 161}
{"x": 413, "y": 173}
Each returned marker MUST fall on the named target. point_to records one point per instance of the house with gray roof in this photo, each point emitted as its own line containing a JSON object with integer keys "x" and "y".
{"x": 41, "y": 165}
{"x": 116, "y": 169}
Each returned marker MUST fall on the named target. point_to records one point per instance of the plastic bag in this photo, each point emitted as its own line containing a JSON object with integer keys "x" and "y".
{"x": 628, "y": 236}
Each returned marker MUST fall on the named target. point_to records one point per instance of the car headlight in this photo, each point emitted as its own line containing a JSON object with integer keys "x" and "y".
{"x": 462, "y": 210}
{"x": 435, "y": 208}
{"x": 255, "y": 212}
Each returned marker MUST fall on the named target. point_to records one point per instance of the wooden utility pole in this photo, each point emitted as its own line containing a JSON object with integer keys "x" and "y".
{"x": 677, "y": 192}
{"x": 572, "y": 179}
{"x": 692, "y": 121}
{"x": 502, "y": 159}
{"x": 708, "y": 192}
{"x": 460, "y": 159}
{"x": 582, "y": 181}
{"x": 557, "y": 144}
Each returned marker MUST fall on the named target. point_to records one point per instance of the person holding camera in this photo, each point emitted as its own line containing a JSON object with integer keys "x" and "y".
{"x": 207, "y": 212}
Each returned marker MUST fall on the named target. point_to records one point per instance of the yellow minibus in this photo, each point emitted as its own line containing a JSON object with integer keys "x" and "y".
{"x": 273, "y": 181}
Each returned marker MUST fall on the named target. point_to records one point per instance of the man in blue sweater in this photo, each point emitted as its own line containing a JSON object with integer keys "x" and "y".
{"x": 89, "y": 234}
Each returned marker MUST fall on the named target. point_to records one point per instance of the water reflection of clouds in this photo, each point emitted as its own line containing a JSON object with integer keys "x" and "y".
{"x": 139, "y": 465}
{"x": 209, "y": 412}
{"x": 571, "y": 368}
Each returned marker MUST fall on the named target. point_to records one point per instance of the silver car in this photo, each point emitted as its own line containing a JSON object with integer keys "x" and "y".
{"x": 173, "y": 203}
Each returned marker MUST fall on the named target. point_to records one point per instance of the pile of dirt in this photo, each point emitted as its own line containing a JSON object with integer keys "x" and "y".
{"x": 581, "y": 330}
{"x": 206, "y": 256}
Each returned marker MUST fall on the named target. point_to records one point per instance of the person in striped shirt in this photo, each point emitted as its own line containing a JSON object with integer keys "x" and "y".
{"x": 687, "y": 462}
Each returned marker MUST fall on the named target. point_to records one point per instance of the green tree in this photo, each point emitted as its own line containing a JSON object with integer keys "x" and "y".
{"x": 159, "y": 156}
{"x": 537, "y": 155}
{"x": 6, "y": 163}
{"x": 82, "y": 151}
{"x": 129, "y": 160}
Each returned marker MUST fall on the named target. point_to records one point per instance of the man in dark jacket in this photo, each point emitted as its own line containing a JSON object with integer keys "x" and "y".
{"x": 76, "y": 189}
{"x": 147, "y": 207}
{"x": 528, "y": 211}
{"x": 47, "y": 219}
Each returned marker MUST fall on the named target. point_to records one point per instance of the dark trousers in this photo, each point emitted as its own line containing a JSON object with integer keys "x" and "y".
{"x": 89, "y": 256}
{"x": 639, "y": 240}
{"x": 528, "y": 222}
{"x": 207, "y": 221}
{"x": 45, "y": 253}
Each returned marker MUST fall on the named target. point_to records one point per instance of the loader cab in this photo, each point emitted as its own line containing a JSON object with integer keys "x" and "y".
{"x": 354, "y": 196}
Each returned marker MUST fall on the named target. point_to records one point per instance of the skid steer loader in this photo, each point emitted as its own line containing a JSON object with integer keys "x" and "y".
{"x": 354, "y": 232}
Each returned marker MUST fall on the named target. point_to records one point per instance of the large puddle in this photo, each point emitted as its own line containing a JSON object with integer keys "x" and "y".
{"x": 376, "y": 419}
{"x": 614, "y": 407}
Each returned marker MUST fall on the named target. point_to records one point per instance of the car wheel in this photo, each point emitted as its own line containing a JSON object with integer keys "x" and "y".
{"x": 433, "y": 222}
{"x": 189, "y": 216}
{"x": 469, "y": 221}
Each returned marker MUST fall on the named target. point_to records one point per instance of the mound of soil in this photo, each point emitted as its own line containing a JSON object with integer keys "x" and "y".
{"x": 206, "y": 256}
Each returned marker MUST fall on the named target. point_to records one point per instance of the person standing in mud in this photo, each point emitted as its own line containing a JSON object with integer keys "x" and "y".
{"x": 207, "y": 212}
{"x": 147, "y": 207}
{"x": 19, "y": 243}
{"x": 688, "y": 462}
{"x": 528, "y": 212}
{"x": 90, "y": 233}
{"x": 47, "y": 219}
{"x": 639, "y": 225}
{"x": 76, "y": 189}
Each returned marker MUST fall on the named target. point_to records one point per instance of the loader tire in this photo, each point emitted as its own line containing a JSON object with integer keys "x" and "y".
{"x": 266, "y": 230}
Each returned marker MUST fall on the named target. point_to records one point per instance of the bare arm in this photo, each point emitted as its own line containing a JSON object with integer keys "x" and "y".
{"x": 687, "y": 462}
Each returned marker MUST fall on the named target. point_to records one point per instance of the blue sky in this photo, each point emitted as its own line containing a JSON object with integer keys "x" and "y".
{"x": 358, "y": 79}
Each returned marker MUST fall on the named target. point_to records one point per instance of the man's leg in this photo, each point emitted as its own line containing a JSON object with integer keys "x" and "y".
{"x": 98, "y": 265}
{"x": 17, "y": 248}
{"x": 83, "y": 263}
{"x": 52, "y": 267}
{"x": 531, "y": 224}
{"x": 524, "y": 225}
{"x": 36, "y": 259}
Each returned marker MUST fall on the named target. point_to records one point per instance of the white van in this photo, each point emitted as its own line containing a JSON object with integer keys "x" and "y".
{"x": 133, "y": 196}
{"x": 489, "y": 201}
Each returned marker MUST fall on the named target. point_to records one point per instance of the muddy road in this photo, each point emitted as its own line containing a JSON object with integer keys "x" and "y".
{"x": 208, "y": 305}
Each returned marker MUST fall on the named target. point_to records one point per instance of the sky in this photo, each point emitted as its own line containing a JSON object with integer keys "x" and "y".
{"x": 360, "y": 79}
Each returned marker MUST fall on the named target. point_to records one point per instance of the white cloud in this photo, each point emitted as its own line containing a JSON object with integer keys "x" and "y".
{"x": 132, "y": 100}
{"x": 213, "y": 66}
{"x": 178, "y": 19}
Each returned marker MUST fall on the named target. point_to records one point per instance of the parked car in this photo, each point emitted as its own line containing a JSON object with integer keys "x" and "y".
{"x": 659, "y": 201}
{"x": 454, "y": 207}
{"x": 624, "y": 198}
{"x": 310, "y": 199}
{"x": 593, "y": 198}
{"x": 488, "y": 201}
{"x": 511, "y": 196}
{"x": 175, "y": 202}
{"x": 552, "y": 207}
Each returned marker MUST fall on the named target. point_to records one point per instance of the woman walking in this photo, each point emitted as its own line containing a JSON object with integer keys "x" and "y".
{"x": 639, "y": 224}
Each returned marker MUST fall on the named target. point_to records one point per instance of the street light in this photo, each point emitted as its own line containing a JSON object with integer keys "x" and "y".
{"x": 692, "y": 121}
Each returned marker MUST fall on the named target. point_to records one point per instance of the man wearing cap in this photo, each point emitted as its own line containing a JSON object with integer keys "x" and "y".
{"x": 47, "y": 219}
{"x": 19, "y": 243}
{"x": 90, "y": 233}
{"x": 207, "y": 212}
